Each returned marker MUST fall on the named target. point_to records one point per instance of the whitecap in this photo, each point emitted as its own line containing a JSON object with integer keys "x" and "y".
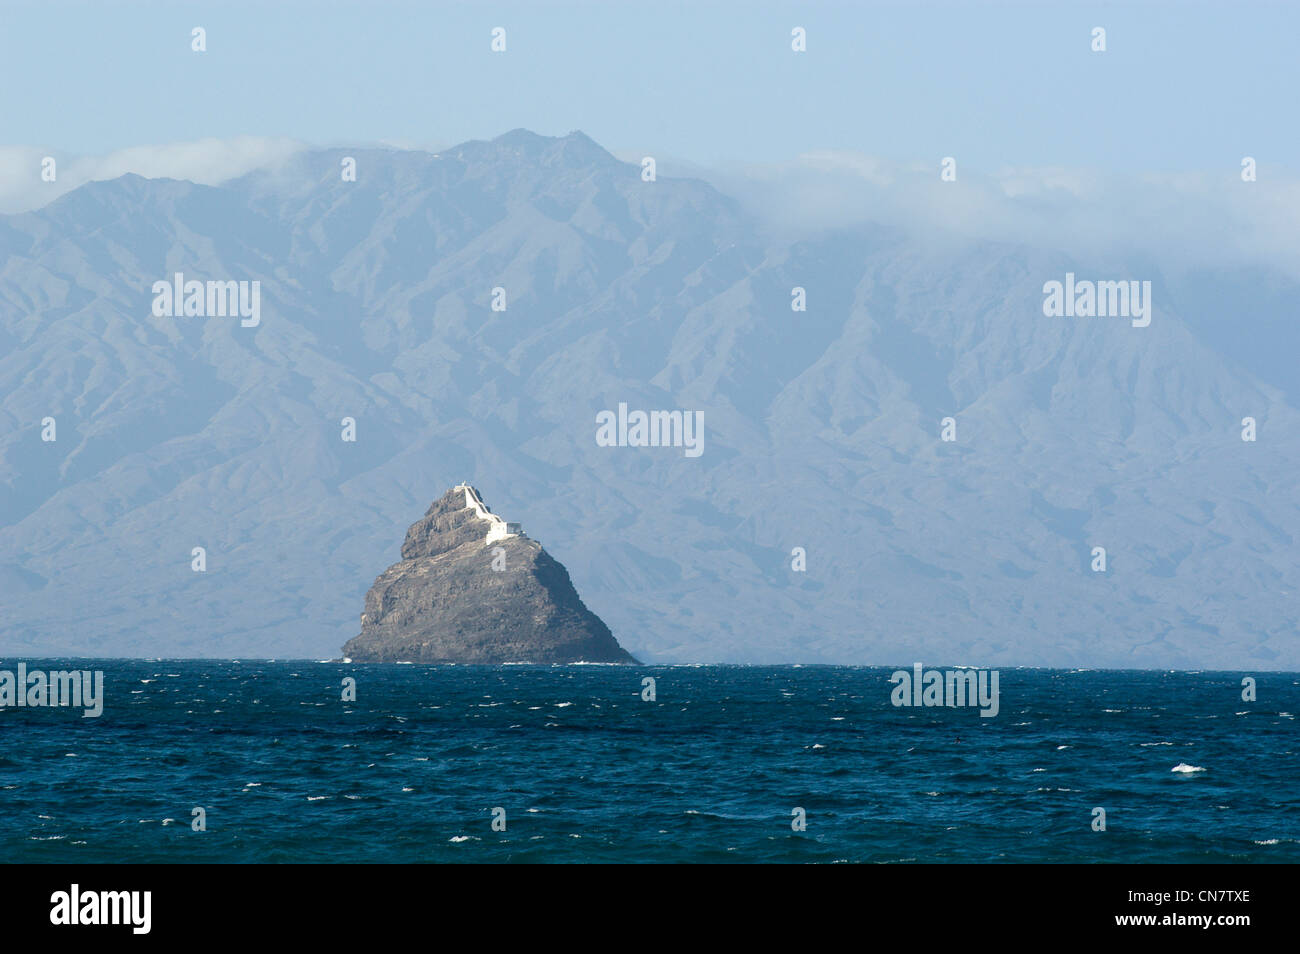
{"x": 1186, "y": 769}
{"x": 317, "y": 798}
{"x": 457, "y": 839}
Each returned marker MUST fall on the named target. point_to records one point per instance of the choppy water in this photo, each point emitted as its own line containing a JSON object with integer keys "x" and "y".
{"x": 588, "y": 771}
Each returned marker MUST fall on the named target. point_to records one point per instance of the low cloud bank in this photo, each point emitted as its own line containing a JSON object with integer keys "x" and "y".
{"x": 1184, "y": 220}
{"x": 205, "y": 161}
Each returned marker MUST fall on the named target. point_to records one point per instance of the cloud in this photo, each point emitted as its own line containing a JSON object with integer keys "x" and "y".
{"x": 206, "y": 161}
{"x": 1179, "y": 220}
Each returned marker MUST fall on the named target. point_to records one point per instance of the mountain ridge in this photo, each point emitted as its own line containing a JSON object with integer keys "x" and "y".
{"x": 823, "y": 427}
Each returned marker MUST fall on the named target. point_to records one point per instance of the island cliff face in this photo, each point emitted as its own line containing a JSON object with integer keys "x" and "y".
{"x": 471, "y": 588}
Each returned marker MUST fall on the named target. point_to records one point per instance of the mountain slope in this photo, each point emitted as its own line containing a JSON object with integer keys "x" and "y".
{"x": 822, "y": 428}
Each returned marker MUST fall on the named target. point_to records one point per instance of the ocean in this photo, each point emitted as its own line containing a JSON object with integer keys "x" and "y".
{"x": 577, "y": 766}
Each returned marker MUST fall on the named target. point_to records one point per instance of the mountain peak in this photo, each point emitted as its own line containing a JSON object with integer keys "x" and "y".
{"x": 575, "y": 145}
{"x": 521, "y": 137}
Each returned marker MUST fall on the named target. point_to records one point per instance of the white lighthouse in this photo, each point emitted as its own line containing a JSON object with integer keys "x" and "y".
{"x": 498, "y": 529}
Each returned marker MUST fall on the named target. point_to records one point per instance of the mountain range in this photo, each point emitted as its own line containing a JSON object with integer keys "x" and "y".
{"x": 381, "y": 302}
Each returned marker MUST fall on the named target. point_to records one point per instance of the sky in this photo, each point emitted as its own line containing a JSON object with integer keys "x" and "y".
{"x": 1181, "y": 86}
{"x": 1137, "y": 148}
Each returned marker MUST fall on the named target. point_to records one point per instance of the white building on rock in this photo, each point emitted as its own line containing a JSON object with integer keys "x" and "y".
{"x": 499, "y": 529}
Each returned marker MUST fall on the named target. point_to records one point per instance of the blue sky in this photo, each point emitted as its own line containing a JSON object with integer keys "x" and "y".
{"x": 1186, "y": 86}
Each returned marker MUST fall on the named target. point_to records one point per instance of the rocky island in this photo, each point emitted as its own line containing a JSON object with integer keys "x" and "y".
{"x": 471, "y": 588}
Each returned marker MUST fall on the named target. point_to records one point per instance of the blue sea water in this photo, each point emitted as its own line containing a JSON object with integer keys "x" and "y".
{"x": 585, "y": 770}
